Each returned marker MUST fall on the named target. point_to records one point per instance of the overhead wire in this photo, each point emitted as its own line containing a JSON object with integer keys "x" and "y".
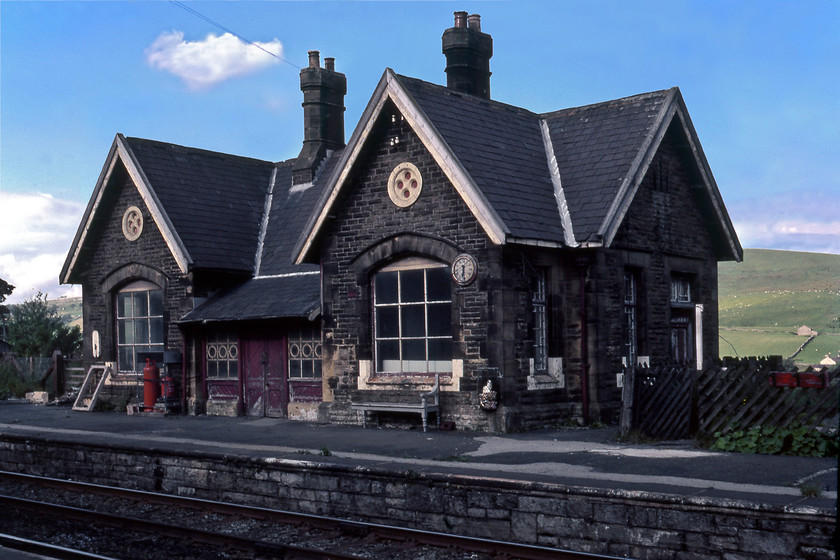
{"x": 227, "y": 30}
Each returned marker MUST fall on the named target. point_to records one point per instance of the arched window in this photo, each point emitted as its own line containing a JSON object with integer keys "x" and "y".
{"x": 139, "y": 326}
{"x": 412, "y": 307}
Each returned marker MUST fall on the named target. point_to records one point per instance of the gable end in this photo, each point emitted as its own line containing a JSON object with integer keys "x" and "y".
{"x": 121, "y": 155}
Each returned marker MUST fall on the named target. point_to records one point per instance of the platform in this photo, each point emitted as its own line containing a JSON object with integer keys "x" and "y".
{"x": 579, "y": 457}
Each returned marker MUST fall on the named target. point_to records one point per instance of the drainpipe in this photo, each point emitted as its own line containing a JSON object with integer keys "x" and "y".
{"x": 584, "y": 340}
{"x": 183, "y": 375}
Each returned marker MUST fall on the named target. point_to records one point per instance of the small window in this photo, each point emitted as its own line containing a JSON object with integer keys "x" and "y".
{"x": 305, "y": 354}
{"x": 682, "y": 328}
{"x": 222, "y": 354}
{"x": 680, "y": 289}
{"x": 140, "y": 328}
{"x": 413, "y": 318}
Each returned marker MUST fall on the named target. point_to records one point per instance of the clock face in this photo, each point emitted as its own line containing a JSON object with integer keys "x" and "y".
{"x": 463, "y": 269}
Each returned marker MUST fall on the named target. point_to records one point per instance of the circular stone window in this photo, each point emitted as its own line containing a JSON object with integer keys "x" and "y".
{"x": 132, "y": 223}
{"x": 404, "y": 185}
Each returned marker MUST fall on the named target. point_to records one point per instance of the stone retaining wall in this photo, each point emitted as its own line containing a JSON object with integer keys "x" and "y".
{"x": 620, "y": 523}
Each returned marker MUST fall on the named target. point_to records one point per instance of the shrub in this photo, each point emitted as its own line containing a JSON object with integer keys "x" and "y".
{"x": 770, "y": 440}
{"x": 11, "y": 383}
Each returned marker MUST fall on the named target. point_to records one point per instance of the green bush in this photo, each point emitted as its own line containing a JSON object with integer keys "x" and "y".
{"x": 770, "y": 440}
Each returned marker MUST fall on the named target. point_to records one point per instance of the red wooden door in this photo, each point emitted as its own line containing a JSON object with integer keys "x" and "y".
{"x": 276, "y": 385}
{"x": 264, "y": 385}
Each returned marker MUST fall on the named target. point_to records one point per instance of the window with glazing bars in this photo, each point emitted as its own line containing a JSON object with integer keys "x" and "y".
{"x": 413, "y": 319}
{"x": 222, "y": 353}
{"x": 305, "y": 354}
{"x": 631, "y": 348}
{"x": 538, "y": 304}
{"x": 680, "y": 289}
{"x": 139, "y": 327}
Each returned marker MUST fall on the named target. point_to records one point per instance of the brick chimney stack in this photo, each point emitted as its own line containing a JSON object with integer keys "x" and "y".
{"x": 468, "y": 52}
{"x": 323, "y": 115}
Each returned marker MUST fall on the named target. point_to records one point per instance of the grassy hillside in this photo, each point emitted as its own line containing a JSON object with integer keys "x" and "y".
{"x": 70, "y": 309}
{"x": 765, "y": 298}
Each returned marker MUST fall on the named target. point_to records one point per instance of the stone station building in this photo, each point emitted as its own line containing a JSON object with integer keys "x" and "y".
{"x": 524, "y": 256}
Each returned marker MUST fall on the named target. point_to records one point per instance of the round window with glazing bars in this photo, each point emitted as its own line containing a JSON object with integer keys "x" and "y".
{"x": 405, "y": 185}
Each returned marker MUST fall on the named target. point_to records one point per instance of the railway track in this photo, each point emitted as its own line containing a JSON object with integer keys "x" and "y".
{"x": 44, "y": 550}
{"x": 181, "y": 527}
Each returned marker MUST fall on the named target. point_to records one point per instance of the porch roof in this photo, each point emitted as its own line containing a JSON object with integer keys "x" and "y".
{"x": 295, "y": 295}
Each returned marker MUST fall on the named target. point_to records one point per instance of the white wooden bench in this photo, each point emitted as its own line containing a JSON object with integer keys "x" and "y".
{"x": 429, "y": 402}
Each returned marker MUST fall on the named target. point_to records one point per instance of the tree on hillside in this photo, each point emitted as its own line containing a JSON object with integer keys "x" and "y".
{"x": 36, "y": 329}
{"x": 5, "y": 290}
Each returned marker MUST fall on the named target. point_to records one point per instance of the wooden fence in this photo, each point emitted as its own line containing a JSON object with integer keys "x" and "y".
{"x": 675, "y": 402}
{"x": 55, "y": 374}
{"x": 741, "y": 394}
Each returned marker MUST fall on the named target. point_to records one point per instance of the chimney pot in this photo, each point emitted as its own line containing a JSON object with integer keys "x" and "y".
{"x": 468, "y": 52}
{"x": 314, "y": 59}
{"x": 460, "y": 19}
{"x": 323, "y": 116}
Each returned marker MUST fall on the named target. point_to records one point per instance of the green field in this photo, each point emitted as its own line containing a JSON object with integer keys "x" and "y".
{"x": 70, "y": 310}
{"x": 765, "y": 298}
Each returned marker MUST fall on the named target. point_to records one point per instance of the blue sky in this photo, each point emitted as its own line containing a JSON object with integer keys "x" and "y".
{"x": 760, "y": 78}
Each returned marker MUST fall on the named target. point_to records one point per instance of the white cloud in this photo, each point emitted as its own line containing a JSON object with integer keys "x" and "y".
{"x": 793, "y": 221}
{"x": 36, "y": 231}
{"x": 203, "y": 64}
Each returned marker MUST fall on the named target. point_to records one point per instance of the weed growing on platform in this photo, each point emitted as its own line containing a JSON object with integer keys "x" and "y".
{"x": 810, "y": 490}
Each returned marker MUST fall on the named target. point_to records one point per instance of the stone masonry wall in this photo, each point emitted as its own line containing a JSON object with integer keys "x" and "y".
{"x": 115, "y": 260}
{"x": 628, "y": 524}
{"x": 364, "y": 216}
{"x": 665, "y": 232}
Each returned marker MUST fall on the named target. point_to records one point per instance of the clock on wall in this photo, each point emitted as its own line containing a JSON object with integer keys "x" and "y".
{"x": 464, "y": 268}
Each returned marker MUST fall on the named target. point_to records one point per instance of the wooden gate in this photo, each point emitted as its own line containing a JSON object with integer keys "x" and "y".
{"x": 661, "y": 404}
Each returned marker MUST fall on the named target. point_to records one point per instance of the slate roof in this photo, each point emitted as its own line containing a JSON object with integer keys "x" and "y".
{"x": 215, "y": 201}
{"x": 502, "y": 149}
{"x": 290, "y": 207}
{"x": 266, "y": 297}
{"x": 563, "y": 179}
{"x": 596, "y": 146}
{"x": 280, "y": 289}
